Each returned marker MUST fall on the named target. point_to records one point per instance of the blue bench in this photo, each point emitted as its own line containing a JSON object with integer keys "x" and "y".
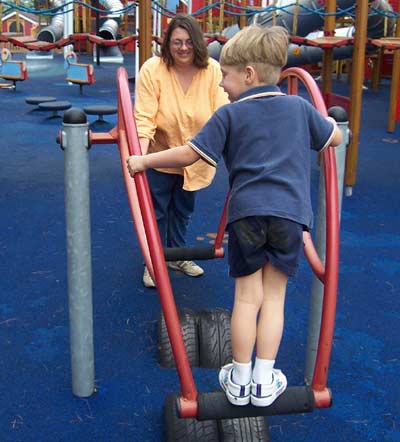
{"x": 79, "y": 73}
{"x": 14, "y": 71}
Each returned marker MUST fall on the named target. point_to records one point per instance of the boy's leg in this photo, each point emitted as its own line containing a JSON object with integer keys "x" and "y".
{"x": 248, "y": 300}
{"x": 268, "y": 383}
{"x": 235, "y": 378}
{"x": 271, "y": 317}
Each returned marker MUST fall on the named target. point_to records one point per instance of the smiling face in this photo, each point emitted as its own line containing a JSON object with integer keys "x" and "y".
{"x": 233, "y": 81}
{"x": 181, "y": 47}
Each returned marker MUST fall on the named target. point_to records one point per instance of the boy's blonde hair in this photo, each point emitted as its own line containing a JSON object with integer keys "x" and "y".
{"x": 264, "y": 48}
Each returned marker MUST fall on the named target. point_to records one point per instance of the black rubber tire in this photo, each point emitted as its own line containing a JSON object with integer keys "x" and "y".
{"x": 190, "y": 336}
{"x": 186, "y": 430}
{"x": 215, "y": 349}
{"x": 246, "y": 429}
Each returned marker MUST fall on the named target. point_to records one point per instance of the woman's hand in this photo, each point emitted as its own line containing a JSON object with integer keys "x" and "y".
{"x": 135, "y": 164}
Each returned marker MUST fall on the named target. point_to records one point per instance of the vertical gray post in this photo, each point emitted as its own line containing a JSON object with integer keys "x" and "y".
{"x": 74, "y": 141}
{"x": 317, "y": 288}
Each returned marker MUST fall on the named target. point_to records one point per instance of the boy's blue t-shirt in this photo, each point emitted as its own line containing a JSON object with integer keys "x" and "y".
{"x": 265, "y": 142}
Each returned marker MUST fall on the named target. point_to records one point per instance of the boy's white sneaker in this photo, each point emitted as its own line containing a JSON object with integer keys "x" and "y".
{"x": 236, "y": 394}
{"x": 263, "y": 395}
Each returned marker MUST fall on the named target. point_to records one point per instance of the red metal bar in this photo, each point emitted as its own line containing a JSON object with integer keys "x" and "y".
{"x": 103, "y": 137}
{"x": 331, "y": 272}
{"x": 310, "y": 85}
{"x": 312, "y": 257}
{"x": 329, "y": 275}
{"x": 127, "y": 131}
{"x": 293, "y": 86}
{"x": 126, "y": 122}
{"x": 322, "y": 398}
{"x": 134, "y": 201}
{"x": 219, "y": 251}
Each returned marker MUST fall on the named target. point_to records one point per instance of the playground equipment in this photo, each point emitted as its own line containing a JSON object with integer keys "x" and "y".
{"x": 100, "y": 110}
{"x": 317, "y": 288}
{"x": 306, "y": 46}
{"x": 197, "y": 409}
{"x": 36, "y": 100}
{"x": 62, "y": 26}
{"x": 393, "y": 44}
{"x": 54, "y": 107}
{"x": 79, "y": 73}
{"x": 206, "y": 407}
{"x": 11, "y": 70}
{"x": 74, "y": 142}
{"x": 109, "y": 31}
{"x": 213, "y": 406}
{"x": 55, "y": 31}
{"x": 294, "y": 18}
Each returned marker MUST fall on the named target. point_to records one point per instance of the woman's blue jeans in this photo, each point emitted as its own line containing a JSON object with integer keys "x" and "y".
{"x": 173, "y": 206}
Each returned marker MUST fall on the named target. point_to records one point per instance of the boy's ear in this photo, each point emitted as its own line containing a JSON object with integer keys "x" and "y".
{"x": 251, "y": 74}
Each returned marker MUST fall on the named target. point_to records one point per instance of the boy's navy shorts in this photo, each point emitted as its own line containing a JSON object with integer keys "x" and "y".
{"x": 257, "y": 240}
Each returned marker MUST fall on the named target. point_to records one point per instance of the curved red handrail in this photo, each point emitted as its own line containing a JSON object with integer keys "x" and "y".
{"x": 219, "y": 251}
{"x": 127, "y": 128}
{"x": 312, "y": 257}
{"x": 331, "y": 272}
{"x": 139, "y": 195}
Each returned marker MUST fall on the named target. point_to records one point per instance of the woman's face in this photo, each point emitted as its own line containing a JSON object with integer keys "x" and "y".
{"x": 181, "y": 47}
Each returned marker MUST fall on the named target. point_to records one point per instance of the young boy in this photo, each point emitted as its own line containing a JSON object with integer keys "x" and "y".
{"x": 265, "y": 138}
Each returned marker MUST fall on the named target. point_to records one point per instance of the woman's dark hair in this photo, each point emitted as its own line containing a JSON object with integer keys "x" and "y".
{"x": 192, "y": 27}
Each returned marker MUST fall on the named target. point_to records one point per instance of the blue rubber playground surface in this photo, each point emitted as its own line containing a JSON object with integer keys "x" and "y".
{"x": 37, "y": 404}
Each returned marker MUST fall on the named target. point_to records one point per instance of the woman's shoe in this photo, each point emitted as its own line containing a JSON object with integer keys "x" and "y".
{"x": 189, "y": 268}
{"x": 147, "y": 279}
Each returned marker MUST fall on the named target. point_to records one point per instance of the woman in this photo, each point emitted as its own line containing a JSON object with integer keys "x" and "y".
{"x": 176, "y": 93}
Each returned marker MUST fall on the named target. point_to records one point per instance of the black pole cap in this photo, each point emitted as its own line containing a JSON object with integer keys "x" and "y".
{"x": 74, "y": 116}
{"x": 338, "y": 113}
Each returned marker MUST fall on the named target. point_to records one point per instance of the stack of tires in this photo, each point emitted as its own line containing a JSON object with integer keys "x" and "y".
{"x": 207, "y": 338}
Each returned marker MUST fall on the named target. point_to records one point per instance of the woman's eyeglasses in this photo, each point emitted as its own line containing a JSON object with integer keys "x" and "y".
{"x": 179, "y": 43}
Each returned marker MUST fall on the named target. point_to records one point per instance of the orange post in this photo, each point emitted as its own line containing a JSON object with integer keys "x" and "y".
{"x": 17, "y": 22}
{"x": 221, "y": 17}
{"x": 145, "y": 31}
{"x": 357, "y": 76}
{"x": 394, "y": 89}
{"x": 394, "y": 92}
{"x": 242, "y": 19}
{"x": 327, "y": 58}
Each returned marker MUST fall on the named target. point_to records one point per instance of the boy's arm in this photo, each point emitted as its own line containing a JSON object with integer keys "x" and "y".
{"x": 176, "y": 157}
{"x": 337, "y": 134}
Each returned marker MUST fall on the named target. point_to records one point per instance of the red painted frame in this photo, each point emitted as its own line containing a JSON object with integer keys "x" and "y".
{"x": 329, "y": 275}
{"x": 139, "y": 195}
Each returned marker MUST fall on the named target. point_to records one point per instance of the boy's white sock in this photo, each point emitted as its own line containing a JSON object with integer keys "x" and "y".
{"x": 262, "y": 372}
{"x": 241, "y": 372}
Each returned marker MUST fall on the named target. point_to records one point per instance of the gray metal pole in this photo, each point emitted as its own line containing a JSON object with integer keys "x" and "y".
{"x": 74, "y": 141}
{"x": 317, "y": 288}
